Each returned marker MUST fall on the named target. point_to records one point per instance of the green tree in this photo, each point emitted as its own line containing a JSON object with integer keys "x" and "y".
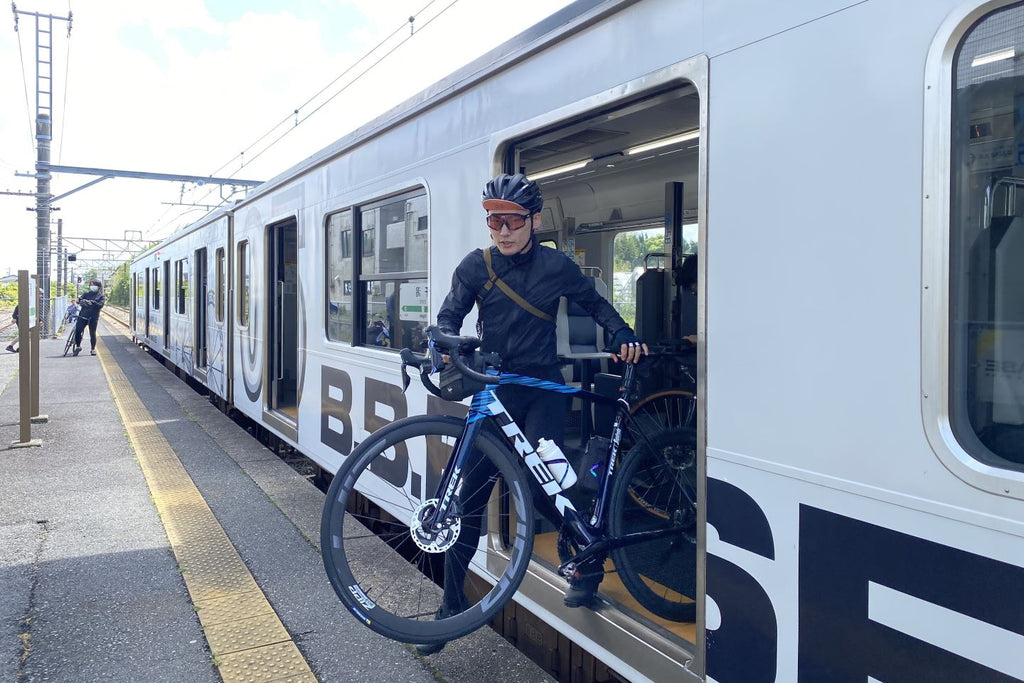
{"x": 118, "y": 287}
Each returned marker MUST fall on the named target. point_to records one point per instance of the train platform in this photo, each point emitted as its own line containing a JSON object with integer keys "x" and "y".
{"x": 149, "y": 537}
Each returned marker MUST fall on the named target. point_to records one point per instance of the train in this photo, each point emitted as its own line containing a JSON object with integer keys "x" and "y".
{"x": 845, "y": 171}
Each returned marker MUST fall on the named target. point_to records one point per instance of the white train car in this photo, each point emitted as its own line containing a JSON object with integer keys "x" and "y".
{"x": 847, "y": 172}
{"x": 180, "y": 301}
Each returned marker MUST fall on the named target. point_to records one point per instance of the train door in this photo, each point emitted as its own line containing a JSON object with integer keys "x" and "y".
{"x": 621, "y": 193}
{"x": 166, "y": 304}
{"x": 133, "y": 303}
{"x": 146, "y": 306}
{"x": 282, "y": 319}
{"x": 200, "y": 309}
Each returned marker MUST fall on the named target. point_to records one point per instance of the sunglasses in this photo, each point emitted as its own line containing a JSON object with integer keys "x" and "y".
{"x": 514, "y": 221}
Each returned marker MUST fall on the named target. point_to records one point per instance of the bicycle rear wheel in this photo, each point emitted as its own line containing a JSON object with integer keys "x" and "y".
{"x": 388, "y": 570}
{"x": 656, "y": 490}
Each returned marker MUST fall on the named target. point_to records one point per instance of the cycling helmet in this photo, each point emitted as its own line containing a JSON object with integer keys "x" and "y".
{"x": 507, "y": 192}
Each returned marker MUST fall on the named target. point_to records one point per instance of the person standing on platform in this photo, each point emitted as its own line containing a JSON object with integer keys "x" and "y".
{"x": 91, "y": 302}
{"x": 17, "y": 328}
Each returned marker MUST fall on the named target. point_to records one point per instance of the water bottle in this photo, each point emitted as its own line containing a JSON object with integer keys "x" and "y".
{"x": 555, "y": 460}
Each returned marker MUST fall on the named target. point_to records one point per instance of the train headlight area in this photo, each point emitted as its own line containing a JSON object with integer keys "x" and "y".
{"x": 152, "y": 538}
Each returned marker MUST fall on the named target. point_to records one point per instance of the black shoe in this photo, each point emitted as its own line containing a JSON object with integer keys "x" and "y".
{"x": 426, "y": 650}
{"x": 76, "y": 351}
{"x": 583, "y": 588}
{"x": 92, "y": 352}
{"x": 10, "y": 347}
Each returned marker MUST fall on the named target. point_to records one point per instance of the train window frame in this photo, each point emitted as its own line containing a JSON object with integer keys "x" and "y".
{"x": 181, "y": 286}
{"x": 156, "y": 288}
{"x": 244, "y": 282}
{"x": 388, "y": 330}
{"x": 220, "y": 260}
{"x": 342, "y": 286}
{"x": 940, "y": 401}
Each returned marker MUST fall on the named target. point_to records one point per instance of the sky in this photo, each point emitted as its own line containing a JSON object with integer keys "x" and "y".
{"x": 185, "y": 87}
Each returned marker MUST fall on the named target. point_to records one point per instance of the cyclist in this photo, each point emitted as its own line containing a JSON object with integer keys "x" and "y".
{"x": 91, "y": 303}
{"x": 516, "y": 285}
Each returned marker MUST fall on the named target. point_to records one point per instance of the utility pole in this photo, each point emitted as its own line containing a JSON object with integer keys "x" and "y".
{"x": 61, "y": 263}
{"x": 44, "y": 134}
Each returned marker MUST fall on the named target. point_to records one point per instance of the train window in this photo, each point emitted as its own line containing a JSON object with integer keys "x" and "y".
{"x": 243, "y": 283}
{"x": 633, "y": 251}
{"x": 987, "y": 241}
{"x": 221, "y": 284}
{"x": 339, "y": 276}
{"x": 156, "y": 289}
{"x": 180, "y": 286}
{"x": 394, "y": 236}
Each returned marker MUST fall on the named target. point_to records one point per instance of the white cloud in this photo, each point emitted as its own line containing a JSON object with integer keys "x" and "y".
{"x": 171, "y": 88}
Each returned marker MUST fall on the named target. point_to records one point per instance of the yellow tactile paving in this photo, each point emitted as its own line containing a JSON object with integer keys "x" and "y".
{"x": 245, "y": 635}
{"x": 269, "y": 663}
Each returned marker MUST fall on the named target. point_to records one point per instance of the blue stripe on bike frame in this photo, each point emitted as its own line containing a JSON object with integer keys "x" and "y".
{"x": 481, "y": 400}
{"x": 546, "y": 385}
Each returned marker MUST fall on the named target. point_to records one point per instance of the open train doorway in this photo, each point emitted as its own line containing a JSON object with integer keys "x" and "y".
{"x": 283, "y": 319}
{"x": 621, "y": 193}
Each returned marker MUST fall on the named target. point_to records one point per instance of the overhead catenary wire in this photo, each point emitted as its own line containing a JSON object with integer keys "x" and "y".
{"x": 150, "y": 231}
{"x": 347, "y": 85}
{"x": 294, "y": 113}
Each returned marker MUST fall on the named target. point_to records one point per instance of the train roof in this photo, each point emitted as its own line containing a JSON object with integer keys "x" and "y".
{"x": 570, "y": 19}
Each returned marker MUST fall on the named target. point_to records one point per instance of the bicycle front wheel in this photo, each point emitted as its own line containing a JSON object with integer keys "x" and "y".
{"x": 656, "y": 491}
{"x": 70, "y": 343}
{"x": 396, "y": 574}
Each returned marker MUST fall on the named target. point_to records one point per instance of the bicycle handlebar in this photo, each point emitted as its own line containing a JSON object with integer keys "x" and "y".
{"x": 438, "y": 345}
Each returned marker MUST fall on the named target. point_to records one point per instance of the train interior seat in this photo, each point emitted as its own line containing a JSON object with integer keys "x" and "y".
{"x": 580, "y": 344}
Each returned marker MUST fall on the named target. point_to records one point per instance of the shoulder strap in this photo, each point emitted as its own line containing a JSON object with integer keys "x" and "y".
{"x": 493, "y": 279}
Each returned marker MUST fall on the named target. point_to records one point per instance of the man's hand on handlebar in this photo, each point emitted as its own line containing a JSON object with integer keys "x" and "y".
{"x": 631, "y": 352}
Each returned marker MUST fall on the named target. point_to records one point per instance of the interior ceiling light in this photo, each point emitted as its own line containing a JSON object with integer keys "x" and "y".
{"x": 990, "y": 57}
{"x": 664, "y": 142}
{"x": 575, "y": 166}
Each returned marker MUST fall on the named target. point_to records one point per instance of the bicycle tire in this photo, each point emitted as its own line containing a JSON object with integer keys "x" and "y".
{"x": 399, "y": 596}
{"x": 70, "y": 343}
{"x": 669, "y": 409}
{"x": 659, "y": 473}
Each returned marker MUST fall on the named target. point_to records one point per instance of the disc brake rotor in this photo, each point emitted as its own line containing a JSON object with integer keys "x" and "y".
{"x": 431, "y": 540}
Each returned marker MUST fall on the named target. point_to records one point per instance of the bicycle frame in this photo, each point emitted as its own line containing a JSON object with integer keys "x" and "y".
{"x": 486, "y": 406}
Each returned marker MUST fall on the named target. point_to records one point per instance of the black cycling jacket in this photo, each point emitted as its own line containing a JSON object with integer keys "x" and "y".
{"x": 91, "y": 311}
{"x": 541, "y": 275}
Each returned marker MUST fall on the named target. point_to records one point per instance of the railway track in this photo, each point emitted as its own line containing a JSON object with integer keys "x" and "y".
{"x": 116, "y": 314}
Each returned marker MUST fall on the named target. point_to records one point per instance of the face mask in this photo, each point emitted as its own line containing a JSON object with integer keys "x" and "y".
{"x": 94, "y": 288}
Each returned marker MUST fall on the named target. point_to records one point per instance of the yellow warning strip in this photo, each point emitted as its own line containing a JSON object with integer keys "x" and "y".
{"x": 248, "y": 641}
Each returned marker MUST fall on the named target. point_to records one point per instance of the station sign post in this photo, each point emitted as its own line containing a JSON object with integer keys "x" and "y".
{"x": 39, "y": 301}
{"x": 27, "y": 358}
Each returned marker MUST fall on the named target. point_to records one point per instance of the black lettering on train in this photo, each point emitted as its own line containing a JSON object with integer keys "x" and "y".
{"x": 339, "y": 409}
{"x": 839, "y": 558}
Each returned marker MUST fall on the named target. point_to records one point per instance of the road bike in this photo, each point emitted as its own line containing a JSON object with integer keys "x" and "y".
{"x": 70, "y": 344}
{"x": 431, "y": 486}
